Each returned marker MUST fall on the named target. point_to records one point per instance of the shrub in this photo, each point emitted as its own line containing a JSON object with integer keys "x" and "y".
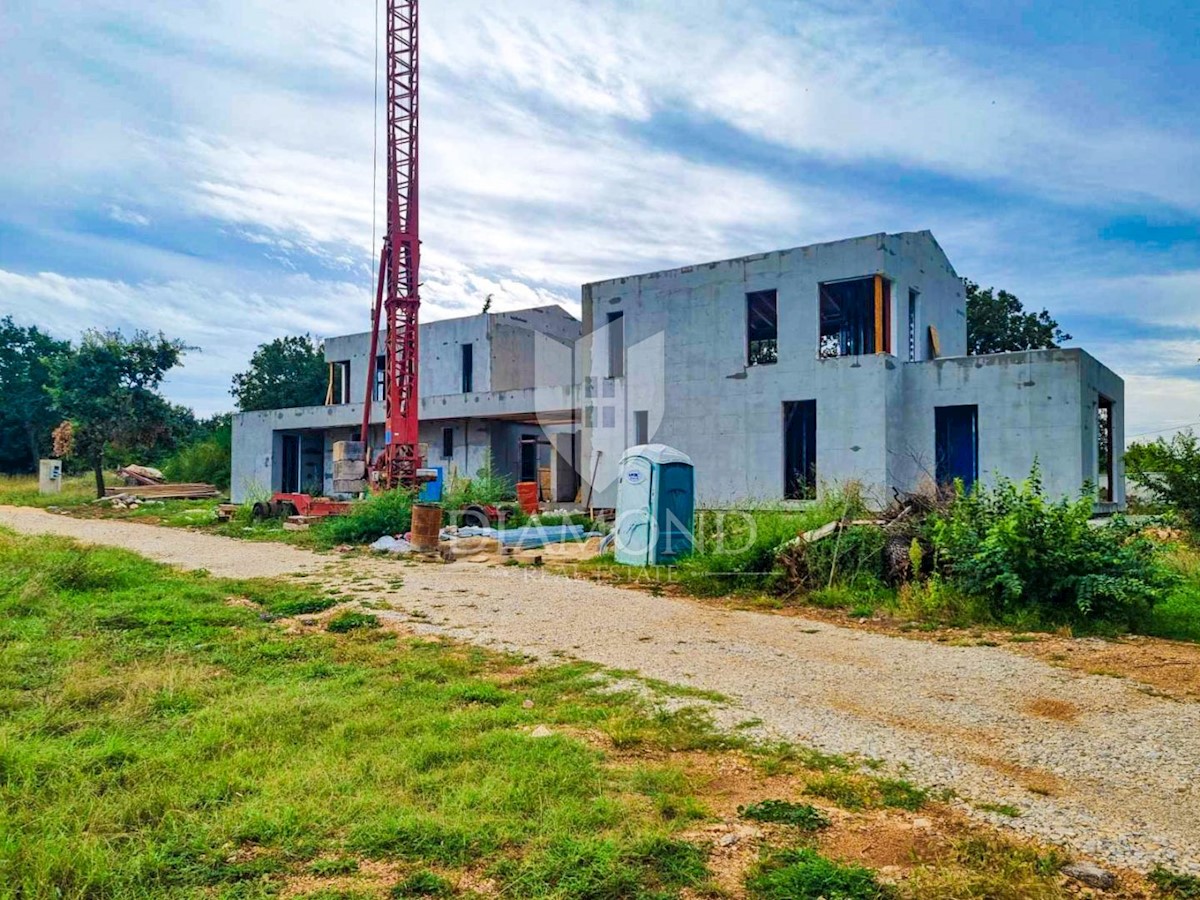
{"x": 379, "y": 514}
{"x": 1023, "y": 554}
{"x": 487, "y": 488}
{"x": 1170, "y": 470}
{"x": 205, "y": 462}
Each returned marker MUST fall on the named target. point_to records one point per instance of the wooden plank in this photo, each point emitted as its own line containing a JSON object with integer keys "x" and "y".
{"x": 879, "y": 348}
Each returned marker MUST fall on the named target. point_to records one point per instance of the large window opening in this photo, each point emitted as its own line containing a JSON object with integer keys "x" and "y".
{"x": 856, "y": 317}
{"x": 1105, "y": 455}
{"x": 468, "y": 368}
{"x": 339, "y": 383}
{"x": 800, "y": 449}
{"x": 641, "y": 427}
{"x": 762, "y": 328}
{"x": 447, "y": 443}
{"x": 616, "y": 344}
{"x": 956, "y": 444}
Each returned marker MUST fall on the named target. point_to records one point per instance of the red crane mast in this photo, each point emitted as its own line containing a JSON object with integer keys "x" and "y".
{"x": 397, "y": 297}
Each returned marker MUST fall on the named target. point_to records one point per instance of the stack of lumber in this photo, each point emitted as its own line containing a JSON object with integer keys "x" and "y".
{"x": 166, "y": 491}
{"x": 136, "y": 475}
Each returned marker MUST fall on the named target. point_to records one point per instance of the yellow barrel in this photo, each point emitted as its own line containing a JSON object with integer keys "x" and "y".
{"x": 426, "y": 525}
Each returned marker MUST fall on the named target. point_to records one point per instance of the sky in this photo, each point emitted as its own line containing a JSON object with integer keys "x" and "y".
{"x": 206, "y": 168}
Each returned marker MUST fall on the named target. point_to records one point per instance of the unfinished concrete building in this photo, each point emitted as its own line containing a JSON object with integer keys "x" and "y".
{"x": 783, "y": 373}
{"x": 496, "y": 385}
{"x": 779, "y": 374}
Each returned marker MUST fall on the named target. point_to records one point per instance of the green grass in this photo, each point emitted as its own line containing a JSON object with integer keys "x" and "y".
{"x": 1174, "y": 886}
{"x": 160, "y": 741}
{"x": 783, "y": 812}
{"x": 22, "y": 490}
{"x": 856, "y": 792}
{"x": 803, "y": 874}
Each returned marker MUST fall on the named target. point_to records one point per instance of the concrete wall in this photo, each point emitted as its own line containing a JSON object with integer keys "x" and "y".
{"x": 685, "y": 338}
{"x": 685, "y": 363}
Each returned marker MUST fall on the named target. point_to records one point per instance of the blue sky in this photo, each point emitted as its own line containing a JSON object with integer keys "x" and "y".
{"x": 206, "y": 168}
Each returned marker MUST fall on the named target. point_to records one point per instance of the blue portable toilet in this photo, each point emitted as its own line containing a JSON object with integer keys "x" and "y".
{"x": 656, "y": 501}
{"x": 431, "y": 491}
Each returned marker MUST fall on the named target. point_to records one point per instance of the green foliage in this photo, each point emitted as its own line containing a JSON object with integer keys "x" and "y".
{"x": 207, "y": 460}
{"x": 285, "y": 373}
{"x": 803, "y": 874}
{"x": 487, "y": 488}
{"x": 389, "y": 512}
{"x": 338, "y": 865}
{"x": 738, "y": 549}
{"x": 783, "y": 812}
{"x": 998, "y": 323}
{"x": 852, "y": 791}
{"x": 350, "y": 621}
{"x": 852, "y": 557}
{"x": 1175, "y": 886}
{"x": 27, "y": 414}
{"x": 1170, "y": 470}
{"x": 1023, "y": 554}
{"x": 108, "y": 388}
{"x": 593, "y": 868}
{"x": 423, "y": 884}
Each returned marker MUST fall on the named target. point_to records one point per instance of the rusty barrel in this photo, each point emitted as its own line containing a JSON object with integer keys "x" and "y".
{"x": 426, "y": 525}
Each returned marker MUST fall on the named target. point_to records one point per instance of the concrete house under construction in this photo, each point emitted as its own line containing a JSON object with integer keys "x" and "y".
{"x": 783, "y": 372}
{"x": 778, "y": 374}
{"x": 496, "y": 385}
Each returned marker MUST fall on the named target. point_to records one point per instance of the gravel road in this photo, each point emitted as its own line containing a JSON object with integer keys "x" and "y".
{"x": 1094, "y": 763}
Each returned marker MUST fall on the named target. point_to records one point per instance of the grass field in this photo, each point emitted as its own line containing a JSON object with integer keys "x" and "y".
{"x": 167, "y": 735}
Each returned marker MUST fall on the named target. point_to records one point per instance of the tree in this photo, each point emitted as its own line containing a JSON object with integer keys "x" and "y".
{"x": 1170, "y": 470}
{"x": 285, "y": 373}
{"x": 27, "y": 415}
{"x": 108, "y": 389}
{"x": 998, "y": 323}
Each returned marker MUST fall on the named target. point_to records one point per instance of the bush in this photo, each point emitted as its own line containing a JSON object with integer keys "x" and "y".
{"x": 738, "y": 550}
{"x": 1023, "y": 554}
{"x": 204, "y": 462}
{"x": 1170, "y": 470}
{"x": 370, "y": 519}
{"x": 487, "y": 488}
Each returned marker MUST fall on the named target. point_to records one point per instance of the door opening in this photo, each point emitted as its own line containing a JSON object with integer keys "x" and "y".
{"x": 800, "y": 449}
{"x": 956, "y": 440}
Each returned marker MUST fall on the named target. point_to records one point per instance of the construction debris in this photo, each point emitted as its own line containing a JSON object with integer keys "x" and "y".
{"x": 166, "y": 491}
{"x": 135, "y": 475}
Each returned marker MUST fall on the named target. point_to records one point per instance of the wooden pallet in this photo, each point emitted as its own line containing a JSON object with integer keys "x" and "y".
{"x": 165, "y": 491}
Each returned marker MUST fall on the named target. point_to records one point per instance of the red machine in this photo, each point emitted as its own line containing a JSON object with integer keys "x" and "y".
{"x": 396, "y": 295}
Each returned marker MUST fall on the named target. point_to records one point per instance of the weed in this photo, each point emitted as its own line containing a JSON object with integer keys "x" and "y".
{"x": 381, "y": 514}
{"x": 864, "y": 792}
{"x": 803, "y": 874}
{"x": 1174, "y": 885}
{"x": 349, "y": 621}
{"x": 783, "y": 812}
{"x": 423, "y": 884}
{"x": 339, "y": 865}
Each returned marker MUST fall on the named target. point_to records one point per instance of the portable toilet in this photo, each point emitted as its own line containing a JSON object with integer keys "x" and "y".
{"x": 655, "y": 505}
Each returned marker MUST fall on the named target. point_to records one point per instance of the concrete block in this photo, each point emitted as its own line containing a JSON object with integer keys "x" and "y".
{"x": 349, "y": 451}
{"x": 349, "y": 469}
{"x": 349, "y": 486}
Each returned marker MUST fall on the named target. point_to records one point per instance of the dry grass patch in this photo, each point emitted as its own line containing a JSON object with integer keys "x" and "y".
{"x": 1057, "y": 710}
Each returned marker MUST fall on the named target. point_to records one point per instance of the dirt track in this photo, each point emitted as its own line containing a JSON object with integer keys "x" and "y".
{"x": 1093, "y": 762}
